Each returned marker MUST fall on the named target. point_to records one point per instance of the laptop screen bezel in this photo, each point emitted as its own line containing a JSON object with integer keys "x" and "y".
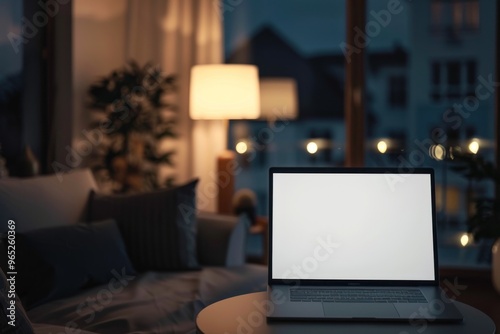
{"x": 354, "y": 282}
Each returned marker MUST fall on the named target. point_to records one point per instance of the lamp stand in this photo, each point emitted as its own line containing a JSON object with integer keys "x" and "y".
{"x": 226, "y": 164}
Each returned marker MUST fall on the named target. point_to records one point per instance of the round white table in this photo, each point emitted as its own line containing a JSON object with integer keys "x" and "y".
{"x": 245, "y": 315}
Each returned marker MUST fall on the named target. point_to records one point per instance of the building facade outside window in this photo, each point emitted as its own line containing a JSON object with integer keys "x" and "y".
{"x": 397, "y": 91}
{"x": 461, "y": 79}
{"x": 454, "y": 16}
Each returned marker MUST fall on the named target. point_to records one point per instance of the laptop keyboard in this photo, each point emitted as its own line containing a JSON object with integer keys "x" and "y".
{"x": 357, "y": 295}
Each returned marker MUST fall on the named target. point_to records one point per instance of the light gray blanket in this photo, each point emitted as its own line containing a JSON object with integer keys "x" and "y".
{"x": 153, "y": 302}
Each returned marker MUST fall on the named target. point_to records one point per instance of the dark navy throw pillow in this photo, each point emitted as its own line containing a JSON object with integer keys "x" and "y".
{"x": 158, "y": 227}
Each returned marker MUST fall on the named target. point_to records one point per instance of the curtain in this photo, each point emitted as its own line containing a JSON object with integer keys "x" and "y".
{"x": 177, "y": 34}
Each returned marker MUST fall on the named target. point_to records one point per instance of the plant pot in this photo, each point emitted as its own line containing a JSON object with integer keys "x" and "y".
{"x": 495, "y": 265}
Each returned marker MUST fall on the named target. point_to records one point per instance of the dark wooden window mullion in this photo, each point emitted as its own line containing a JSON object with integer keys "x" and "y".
{"x": 497, "y": 97}
{"x": 355, "y": 85}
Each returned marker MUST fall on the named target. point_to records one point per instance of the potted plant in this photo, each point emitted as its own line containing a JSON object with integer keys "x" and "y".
{"x": 484, "y": 222}
{"x": 130, "y": 108}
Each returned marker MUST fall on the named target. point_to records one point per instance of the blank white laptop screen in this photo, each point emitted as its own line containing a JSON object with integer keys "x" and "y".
{"x": 352, "y": 226}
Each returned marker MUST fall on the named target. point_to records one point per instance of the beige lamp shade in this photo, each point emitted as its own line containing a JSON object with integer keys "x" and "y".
{"x": 278, "y": 98}
{"x": 224, "y": 91}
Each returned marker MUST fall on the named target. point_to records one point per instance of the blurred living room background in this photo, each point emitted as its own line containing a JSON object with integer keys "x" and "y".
{"x": 423, "y": 89}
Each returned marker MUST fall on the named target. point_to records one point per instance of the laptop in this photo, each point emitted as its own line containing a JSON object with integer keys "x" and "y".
{"x": 354, "y": 244}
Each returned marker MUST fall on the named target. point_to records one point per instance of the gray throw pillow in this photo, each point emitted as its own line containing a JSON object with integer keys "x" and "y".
{"x": 159, "y": 227}
{"x": 45, "y": 201}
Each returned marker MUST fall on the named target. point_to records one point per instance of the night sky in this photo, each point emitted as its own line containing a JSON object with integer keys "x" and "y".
{"x": 312, "y": 26}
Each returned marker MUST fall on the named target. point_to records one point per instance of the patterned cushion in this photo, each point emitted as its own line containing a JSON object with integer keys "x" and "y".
{"x": 159, "y": 228}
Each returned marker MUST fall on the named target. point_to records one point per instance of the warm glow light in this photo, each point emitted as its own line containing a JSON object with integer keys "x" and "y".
{"x": 224, "y": 91}
{"x": 241, "y": 147}
{"x": 278, "y": 98}
{"x": 440, "y": 152}
{"x": 97, "y": 10}
{"x": 312, "y": 147}
{"x": 474, "y": 146}
{"x": 437, "y": 152}
{"x": 382, "y": 146}
{"x": 464, "y": 239}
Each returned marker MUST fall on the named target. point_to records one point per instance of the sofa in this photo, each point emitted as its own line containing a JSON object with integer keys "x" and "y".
{"x": 93, "y": 263}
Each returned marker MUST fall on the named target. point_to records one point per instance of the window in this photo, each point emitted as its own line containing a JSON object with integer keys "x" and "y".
{"x": 452, "y": 17}
{"x": 457, "y": 9}
{"x": 472, "y": 14}
{"x": 435, "y": 81}
{"x": 453, "y": 79}
{"x": 408, "y": 66}
{"x": 461, "y": 79}
{"x": 287, "y": 41}
{"x": 471, "y": 72}
{"x": 397, "y": 91}
{"x": 436, "y": 14}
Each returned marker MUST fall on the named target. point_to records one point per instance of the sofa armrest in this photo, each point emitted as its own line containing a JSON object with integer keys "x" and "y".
{"x": 222, "y": 239}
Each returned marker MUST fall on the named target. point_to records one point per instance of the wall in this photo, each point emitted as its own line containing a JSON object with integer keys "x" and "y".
{"x": 170, "y": 33}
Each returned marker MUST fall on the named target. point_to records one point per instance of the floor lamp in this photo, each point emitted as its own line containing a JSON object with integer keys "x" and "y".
{"x": 278, "y": 99}
{"x": 224, "y": 92}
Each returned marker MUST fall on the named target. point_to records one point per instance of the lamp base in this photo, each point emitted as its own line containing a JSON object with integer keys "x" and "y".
{"x": 226, "y": 165}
